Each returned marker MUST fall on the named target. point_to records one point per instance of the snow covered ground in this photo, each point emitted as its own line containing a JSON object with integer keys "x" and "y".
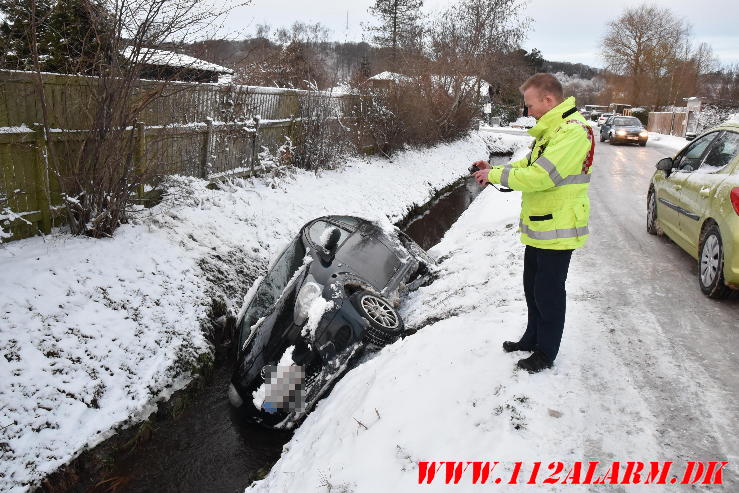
{"x": 449, "y": 392}
{"x": 93, "y": 332}
{"x": 670, "y": 141}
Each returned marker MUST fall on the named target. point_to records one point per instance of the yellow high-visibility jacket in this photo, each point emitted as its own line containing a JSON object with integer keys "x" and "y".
{"x": 554, "y": 204}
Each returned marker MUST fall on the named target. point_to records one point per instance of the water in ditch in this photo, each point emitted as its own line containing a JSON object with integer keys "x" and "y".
{"x": 208, "y": 448}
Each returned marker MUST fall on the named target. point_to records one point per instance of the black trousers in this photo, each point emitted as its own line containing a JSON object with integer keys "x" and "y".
{"x": 544, "y": 276}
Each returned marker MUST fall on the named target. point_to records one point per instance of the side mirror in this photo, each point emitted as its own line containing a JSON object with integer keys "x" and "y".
{"x": 665, "y": 164}
{"x": 330, "y": 238}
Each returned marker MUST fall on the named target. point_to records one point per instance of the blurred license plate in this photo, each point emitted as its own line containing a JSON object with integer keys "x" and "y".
{"x": 631, "y": 137}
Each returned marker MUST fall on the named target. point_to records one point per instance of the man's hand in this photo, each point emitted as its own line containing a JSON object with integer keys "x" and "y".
{"x": 481, "y": 177}
{"x": 481, "y": 164}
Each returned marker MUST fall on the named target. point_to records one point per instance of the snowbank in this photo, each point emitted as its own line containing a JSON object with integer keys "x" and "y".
{"x": 92, "y": 332}
{"x": 449, "y": 392}
{"x": 672, "y": 142}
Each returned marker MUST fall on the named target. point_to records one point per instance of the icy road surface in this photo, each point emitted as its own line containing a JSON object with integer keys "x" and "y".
{"x": 681, "y": 348}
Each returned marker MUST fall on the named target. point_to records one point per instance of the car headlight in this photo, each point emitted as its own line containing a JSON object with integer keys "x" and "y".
{"x": 309, "y": 292}
{"x": 643, "y": 133}
{"x": 620, "y": 132}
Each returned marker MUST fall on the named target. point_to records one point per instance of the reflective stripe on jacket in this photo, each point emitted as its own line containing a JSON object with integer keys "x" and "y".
{"x": 554, "y": 204}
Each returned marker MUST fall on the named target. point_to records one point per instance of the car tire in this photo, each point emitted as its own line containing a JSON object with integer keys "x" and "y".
{"x": 642, "y": 144}
{"x": 652, "y": 227}
{"x": 611, "y": 139}
{"x": 602, "y": 139}
{"x": 385, "y": 325}
{"x": 711, "y": 264}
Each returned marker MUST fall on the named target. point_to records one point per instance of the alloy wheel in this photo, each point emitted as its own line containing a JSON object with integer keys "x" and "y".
{"x": 380, "y": 311}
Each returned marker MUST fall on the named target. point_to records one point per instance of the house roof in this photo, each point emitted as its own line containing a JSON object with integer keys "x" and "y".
{"x": 166, "y": 58}
{"x": 391, "y": 76}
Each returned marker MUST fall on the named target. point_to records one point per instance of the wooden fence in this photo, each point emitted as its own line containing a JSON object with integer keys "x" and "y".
{"x": 668, "y": 123}
{"x": 203, "y": 130}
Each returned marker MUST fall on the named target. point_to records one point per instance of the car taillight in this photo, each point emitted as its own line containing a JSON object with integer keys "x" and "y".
{"x": 735, "y": 199}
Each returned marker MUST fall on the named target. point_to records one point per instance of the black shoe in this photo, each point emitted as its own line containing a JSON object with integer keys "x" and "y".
{"x": 535, "y": 363}
{"x": 510, "y": 346}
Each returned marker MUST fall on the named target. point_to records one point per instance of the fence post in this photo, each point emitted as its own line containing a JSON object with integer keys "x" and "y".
{"x": 140, "y": 156}
{"x": 254, "y": 145}
{"x": 207, "y": 148}
{"x": 43, "y": 199}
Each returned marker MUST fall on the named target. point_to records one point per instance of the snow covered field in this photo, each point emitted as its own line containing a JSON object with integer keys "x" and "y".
{"x": 93, "y": 332}
{"x": 449, "y": 392}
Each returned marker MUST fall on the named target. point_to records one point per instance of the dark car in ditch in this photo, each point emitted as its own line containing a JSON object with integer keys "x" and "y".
{"x": 330, "y": 296}
{"x": 624, "y": 129}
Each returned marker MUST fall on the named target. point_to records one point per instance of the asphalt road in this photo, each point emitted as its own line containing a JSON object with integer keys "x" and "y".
{"x": 681, "y": 348}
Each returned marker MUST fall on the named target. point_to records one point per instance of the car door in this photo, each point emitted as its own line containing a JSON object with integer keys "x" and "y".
{"x": 699, "y": 191}
{"x": 606, "y": 127}
{"x": 669, "y": 207}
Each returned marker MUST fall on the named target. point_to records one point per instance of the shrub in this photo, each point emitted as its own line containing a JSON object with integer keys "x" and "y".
{"x": 421, "y": 111}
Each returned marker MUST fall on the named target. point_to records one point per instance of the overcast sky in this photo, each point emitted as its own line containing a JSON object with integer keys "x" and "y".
{"x": 570, "y": 33}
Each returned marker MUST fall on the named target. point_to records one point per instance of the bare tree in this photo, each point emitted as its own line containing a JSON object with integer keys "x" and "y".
{"x": 286, "y": 57}
{"x": 652, "y": 49}
{"x": 103, "y": 173}
{"x": 470, "y": 33}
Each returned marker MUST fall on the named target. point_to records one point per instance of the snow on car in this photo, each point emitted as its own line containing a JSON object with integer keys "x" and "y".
{"x": 329, "y": 296}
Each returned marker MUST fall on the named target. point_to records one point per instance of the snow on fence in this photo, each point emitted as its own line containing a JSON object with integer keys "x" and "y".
{"x": 204, "y": 130}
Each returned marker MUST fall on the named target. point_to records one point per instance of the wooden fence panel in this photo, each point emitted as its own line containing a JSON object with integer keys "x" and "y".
{"x": 177, "y": 136}
{"x": 678, "y": 126}
{"x": 667, "y": 123}
{"x": 18, "y": 184}
{"x": 70, "y": 101}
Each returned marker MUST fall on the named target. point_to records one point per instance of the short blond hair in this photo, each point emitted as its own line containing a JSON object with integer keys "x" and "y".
{"x": 546, "y": 83}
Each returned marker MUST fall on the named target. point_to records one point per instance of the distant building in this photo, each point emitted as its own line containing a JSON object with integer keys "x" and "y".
{"x": 168, "y": 65}
{"x": 385, "y": 80}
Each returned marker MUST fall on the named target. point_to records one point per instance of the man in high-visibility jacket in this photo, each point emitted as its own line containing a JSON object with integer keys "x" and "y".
{"x": 554, "y": 180}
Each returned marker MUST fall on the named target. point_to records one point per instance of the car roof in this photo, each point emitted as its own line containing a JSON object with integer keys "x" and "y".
{"x": 731, "y": 126}
{"x": 352, "y": 221}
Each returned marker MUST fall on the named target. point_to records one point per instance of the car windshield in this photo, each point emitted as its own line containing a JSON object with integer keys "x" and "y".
{"x": 272, "y": 286}
{"x": 627, "y": 122}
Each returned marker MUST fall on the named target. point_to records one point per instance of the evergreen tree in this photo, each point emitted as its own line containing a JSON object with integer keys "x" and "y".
{"x": 365, "y": 68}
{"x": 399, "y": 26}
{"x": 19, "y": 16}
{"x": 78, "y": 38}
{"x": 72, "y": 36}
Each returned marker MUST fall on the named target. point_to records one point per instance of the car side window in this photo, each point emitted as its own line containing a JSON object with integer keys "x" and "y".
{"x": 723, "y": 150}
{"x": 690, "y": 158}
{"x": 273, "y": 284}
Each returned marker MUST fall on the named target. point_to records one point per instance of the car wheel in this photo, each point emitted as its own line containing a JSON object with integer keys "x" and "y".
{"x": 652, "y": 227}
{"x": 602, "y": 139}
{"x": 611, "y": 139}
{"x": 711, "y": 264}
{"x": 642, "y": 144}
{"x": 385, "y": 325}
